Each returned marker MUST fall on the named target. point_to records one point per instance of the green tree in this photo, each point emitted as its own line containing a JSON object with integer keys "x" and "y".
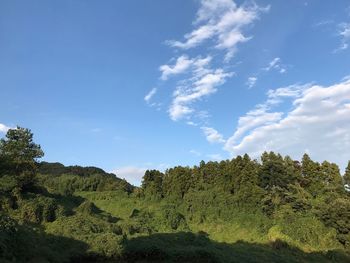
{"x": 347, "y": 175}
{"x": 248, "y": 193}
{"x": 310, "y": 171}
{"x": 19, "y": 154}
{"x": 272, "y": 171}
{"x": 330, "y": 175}
{"x": 152, "y": 183}
{"x": 177, "y": 181}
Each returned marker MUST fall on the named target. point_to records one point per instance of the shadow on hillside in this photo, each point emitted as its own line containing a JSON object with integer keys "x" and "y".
{"x": 189, "y": 247}
{"x": 28, "y": 244}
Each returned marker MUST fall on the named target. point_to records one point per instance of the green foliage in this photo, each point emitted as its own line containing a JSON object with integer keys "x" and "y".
{"x": 347, "y": 175}
{"x": 273, "y": 171}
{"x": 152, "y": 183}
{"x": 40, "y": 209}
{"x": 337, "y": 215}
{"x": 67, "y": 184}
{"x": 174, "y": 219}
{"x": 277, "y": 210}
{"x": 177, "y": 181}
{"x": 18, "y": 156}
{"x": 22, "y": 243}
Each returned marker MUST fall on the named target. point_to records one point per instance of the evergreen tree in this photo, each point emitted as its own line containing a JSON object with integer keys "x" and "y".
{"x": 152, "y": 183}
{"x": 177, "y": 181}
{"x": 330, "y": 175}
{"x": 272, "y": 171}
{"x": 310, "y": 175}
{"x": 19, "y": 155}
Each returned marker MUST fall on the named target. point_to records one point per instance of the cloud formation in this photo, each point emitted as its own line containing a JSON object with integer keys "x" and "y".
{"x": 131, "y": 173}
{"x": 219, "y": 23}
{"x": 276, "y": 65}
{"x": 181, "y": 65}
{"x": 202, "y": 83}
{"x": 344, "y": 33}
{"x": 251, "y": 81}
{"x": 150, "y": 94}
{"x": 318, "y": 122}
{"x": 212, "y": 135}
{"x": 222, "y": 22}
{"x": 134, "y": 174}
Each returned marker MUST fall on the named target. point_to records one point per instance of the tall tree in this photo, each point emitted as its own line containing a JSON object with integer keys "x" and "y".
{"x": 152, "y": 183}
{"x": 177, "y": 181}
{"x": 330, "y": 175}
{"x": 272, "y": 171}
{"x": 20, "y": 154}
{"x": 311, "y": 175}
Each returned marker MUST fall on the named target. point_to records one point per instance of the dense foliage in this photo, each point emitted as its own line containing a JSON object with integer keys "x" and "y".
{"x": 273, "y": 210}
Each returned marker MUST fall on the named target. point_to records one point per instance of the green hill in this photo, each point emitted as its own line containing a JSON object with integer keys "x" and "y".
{"x": 239, "y": 210}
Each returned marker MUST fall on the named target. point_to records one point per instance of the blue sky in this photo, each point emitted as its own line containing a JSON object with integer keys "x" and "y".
{"x": 131, "y": 85}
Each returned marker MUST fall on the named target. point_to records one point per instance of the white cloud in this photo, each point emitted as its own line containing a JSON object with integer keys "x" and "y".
{"x": 318, "y": 121}
{"x": 178, "y": 111}
{"x": 202, "y": 83}
{"x": 251, "y": 82}
{"x": 150, "y": 94}
{"x": 4, "y": 128}
{"x": 221, "y": 21}
{"x": 181, "y": 65}
{"x": 344, "y": 33}
{"x": 134, "y": 174}
{"x": 276, "y": 65}
{"x": 184, "y": 96}
{"x": 212, "y": 135}
{"x": 131, "y": 174}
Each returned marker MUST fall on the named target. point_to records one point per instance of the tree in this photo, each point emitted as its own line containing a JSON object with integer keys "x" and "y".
{"x": 330, "y": 175}
{"x": 347, "y": 175}
{"x": 177, "y": 181}
{"x": 20, "y": 154}
{"x": 272, "y": 171}
{"x": 152, "y": 183}
{"x": 311, "y": 179}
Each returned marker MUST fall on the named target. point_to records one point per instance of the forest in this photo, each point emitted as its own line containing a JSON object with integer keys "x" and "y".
{"x": 274, "y": 209}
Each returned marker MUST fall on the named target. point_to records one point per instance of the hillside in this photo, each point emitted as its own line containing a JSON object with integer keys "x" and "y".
{"x": 239, "y": 210}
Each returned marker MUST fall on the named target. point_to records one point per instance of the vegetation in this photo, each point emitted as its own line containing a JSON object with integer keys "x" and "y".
{"x": 240, "y": 210}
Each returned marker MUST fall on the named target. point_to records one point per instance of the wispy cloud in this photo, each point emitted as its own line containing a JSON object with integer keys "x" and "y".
{"x": 150, "y": 94}
{"x": 222, "y": 22}
{"x": 345, "y": 35}
{"x": 219, "y": 27}
{"x": 212, "y": 135}
{"x": 323, "y": 23}
{"x": 181, "y": 65}
{"x": 203, "y": 82}
{"x": 319, "y": 121}
{"x": 251, "y": 81}
{"x": 276, "y": 65}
